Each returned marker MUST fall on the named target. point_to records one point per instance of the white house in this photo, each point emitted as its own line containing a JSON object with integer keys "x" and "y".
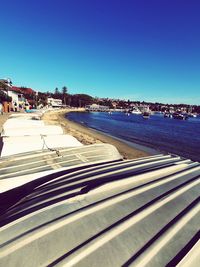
{"x": 18, "y": 100}
{"x": 53, "y": 102}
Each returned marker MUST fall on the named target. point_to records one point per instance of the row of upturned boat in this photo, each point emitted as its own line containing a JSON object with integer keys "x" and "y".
{"x": 66, "y": 204}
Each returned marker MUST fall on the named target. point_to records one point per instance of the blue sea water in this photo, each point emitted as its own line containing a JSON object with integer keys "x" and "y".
{"x": 181, "y": 137}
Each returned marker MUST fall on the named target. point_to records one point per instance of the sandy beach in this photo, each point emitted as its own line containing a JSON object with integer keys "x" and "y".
{"x": 88, "y": 136}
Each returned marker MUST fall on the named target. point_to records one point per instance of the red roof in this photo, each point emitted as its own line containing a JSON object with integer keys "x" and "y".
{"x": 22, "y": 90}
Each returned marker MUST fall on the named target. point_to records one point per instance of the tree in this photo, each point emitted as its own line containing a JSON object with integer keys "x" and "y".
{"x": 82, "y": 100}
{"x": 64, "y": 91}
{"x": 56, "y": 91}
{"x": 57, "y": 94}
{"x": 3, "y": 86}
{"x": 69, "y": 100}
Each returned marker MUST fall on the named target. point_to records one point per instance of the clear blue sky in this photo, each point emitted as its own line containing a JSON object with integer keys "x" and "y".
{"x": 139, "y": 50}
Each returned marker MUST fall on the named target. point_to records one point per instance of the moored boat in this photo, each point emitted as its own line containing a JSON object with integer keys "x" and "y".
{"x": 168, "y": 115}
{"x": 146, "y": 115}
{"x": 136, "y": 111}
{"x": 192, "y": 115}
{"x": 180, "y": 116}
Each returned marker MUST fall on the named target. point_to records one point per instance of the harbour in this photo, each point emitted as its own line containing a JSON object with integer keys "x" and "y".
{"x": 175, "y": 136}
{"x": 100, "y": 134}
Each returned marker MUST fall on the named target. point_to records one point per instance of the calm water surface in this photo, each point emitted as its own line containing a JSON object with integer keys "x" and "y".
{"x": 164, "y": 134}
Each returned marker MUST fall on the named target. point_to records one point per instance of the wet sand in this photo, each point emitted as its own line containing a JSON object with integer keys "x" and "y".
{"x": 89, "y": 136}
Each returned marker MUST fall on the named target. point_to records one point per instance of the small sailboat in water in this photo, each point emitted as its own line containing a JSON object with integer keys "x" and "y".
{"x": 136, "y": 110}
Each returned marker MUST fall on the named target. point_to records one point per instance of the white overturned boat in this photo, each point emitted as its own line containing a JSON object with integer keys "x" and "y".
{"x": 32, "y": 131}
{"x": 26, "y": 116}
{"x": 142, "y": 212}
{"x": 22, "y": 168}
{"x": 18, "y": 123}
{"x": 20, "y": 144}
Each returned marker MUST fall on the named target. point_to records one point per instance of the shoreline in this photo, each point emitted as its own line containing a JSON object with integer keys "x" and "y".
{"x": 90, "y": 136}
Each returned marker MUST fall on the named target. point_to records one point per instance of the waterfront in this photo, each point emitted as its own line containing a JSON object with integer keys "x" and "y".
{"x": 163, "y": 134}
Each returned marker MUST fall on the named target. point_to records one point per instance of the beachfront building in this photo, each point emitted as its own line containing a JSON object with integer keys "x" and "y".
{"x": 95, "y": 107}
{"x": 5, "y": 85}
{"x": 18, "y": 100}
{"x": 53, "y": 102}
